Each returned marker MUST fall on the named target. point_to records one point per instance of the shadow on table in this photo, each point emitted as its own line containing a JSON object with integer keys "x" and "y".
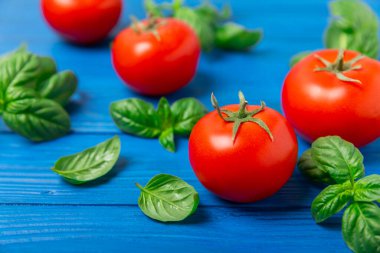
{"x": 199, "y": 217}
{"x": 77, "y": 101}
{"x": 333, "y": 223}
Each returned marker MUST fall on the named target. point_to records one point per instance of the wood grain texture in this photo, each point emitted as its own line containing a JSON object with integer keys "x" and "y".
{"x": 38, "y": 210}
{"x": 126, "y": 229}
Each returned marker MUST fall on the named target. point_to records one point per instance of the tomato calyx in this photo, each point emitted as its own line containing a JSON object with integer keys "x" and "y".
{"x": 339, "y": 67}
{"x": 145, "y": 27}
{"x": 241, "y": 116}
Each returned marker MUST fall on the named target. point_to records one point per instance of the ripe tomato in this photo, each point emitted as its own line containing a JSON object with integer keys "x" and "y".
{"x": 321, "y": 97}
{"x": 252, "y": 166}
{"x": 82, "y": 21}
{"x": 156, "y": 56}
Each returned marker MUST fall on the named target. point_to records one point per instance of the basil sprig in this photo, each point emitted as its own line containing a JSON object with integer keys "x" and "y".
{"x": 90, "y": 164}
{"x": 337, "y": 162}
{"x": 353, "y": 25}
{"x": 32, "y": 95}
{"x": 137, "y": 117}
{"x": 211, "y": 25}
{"x": 168, "y": 198}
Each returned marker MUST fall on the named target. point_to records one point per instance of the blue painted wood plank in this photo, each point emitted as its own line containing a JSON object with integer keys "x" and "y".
{"x": 25, "y": 175}
{"x": 126, "y": 229}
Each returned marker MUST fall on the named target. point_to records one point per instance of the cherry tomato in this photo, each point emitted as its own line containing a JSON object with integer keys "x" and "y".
{"x": 252, "y": 166}
{"x": 334, "y": 92}
{"x": 156, "y": 56}
{"x": 82, "y": 21}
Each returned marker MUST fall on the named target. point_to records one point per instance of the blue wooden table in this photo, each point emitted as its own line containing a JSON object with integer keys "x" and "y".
{"x": 41, "y": 212}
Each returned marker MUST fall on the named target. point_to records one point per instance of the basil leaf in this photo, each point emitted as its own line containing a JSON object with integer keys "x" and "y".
{"x": 135, "y": 116}
{"x": 201, "y": 25}
{"x": 168, "y": 198}
{"x": 164, "y": 114}
{"x": 339, "y": 158}
{"x": 212, "y": 15}
{"x": 361, "y": 227}
{"x": 186, "y": 113}
{"x": 152, "y": 8}
{"x": 231, "y": 36}
{"x": 353, "y": 26}
{"x": 5, "y": 57}
{"x": 47, "y": 68}
{"x": 20, "y": 70}
{"x": 298, "y": 57}
{"x": 331, "y": 200}
{"x": 166, "y": 139}
{"x": 367, "y": 189}
{"x": 37, "y": 119}
{"x": 308, "y": 168}
{"x": 89, "y": 164}
{"x": 19, "y": 93}
{"x": 59, "y": 87}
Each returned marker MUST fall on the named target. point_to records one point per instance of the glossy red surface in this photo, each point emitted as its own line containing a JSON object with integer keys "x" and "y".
{"x": 250, "y": 169}
{"x": 319, "y": 104}
{"x": 157, "y": 63}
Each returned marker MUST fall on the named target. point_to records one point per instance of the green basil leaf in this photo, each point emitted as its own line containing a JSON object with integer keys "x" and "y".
{"x": 152, "y": 8}
{"x": 361, "y": 227}
{"x": 59, "y": 87}
{"x": 19, "y": 70}
{"x": 135, "y": 116}
{"x": 201, "y": 25}
{"x": 89, "y": 164}
{"x": 19, "y": 93}
{"x": 212, "y": 15}
{"x": 177, "y": 4}
{"x": 47, "y": 68}
{"x": 166, "y": 139}
{"x": 367, "y": 189}
{"x": 353, "y": 26}
{"x": 37, "y": 119}
{"x": 231, "y": 36}
{"x": 186, "y": 113}
{"x": 168, "y": 198}
{"x": 331, "y": 200}
{"x": 6, "y": 56}
{"x": 298, "y": 57}
{"x": 341, "y": 159}
{"x": 308, "y": 168}
{"x": 164, "y": 114}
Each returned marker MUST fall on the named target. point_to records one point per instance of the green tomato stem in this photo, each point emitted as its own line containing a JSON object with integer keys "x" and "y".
{"x": 241, "y": 116}
{"x": 339, "y": 67}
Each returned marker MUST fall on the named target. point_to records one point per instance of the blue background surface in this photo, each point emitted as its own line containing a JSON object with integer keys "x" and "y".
{"x": 40, "y": 212}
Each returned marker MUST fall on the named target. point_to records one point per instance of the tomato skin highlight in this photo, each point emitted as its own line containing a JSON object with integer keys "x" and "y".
{"x": 251, "y": 169}
{"x": 318, "y": 104}
{"x": 82, "y": 21}
{"x": 157, "y": 64}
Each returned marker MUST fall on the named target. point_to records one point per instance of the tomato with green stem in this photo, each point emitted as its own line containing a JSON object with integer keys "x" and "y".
{"x": 334, "y": 92}
{"x": 157, "y": 56}
{"x": 243, "y": 153}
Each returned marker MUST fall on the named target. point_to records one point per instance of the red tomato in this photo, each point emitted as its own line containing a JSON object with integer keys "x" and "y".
{"x": 156, "y": 56}
{"x": 322, "y": 102}
{"x": 82, "y": 21}
{"x": 252, "y": 167}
